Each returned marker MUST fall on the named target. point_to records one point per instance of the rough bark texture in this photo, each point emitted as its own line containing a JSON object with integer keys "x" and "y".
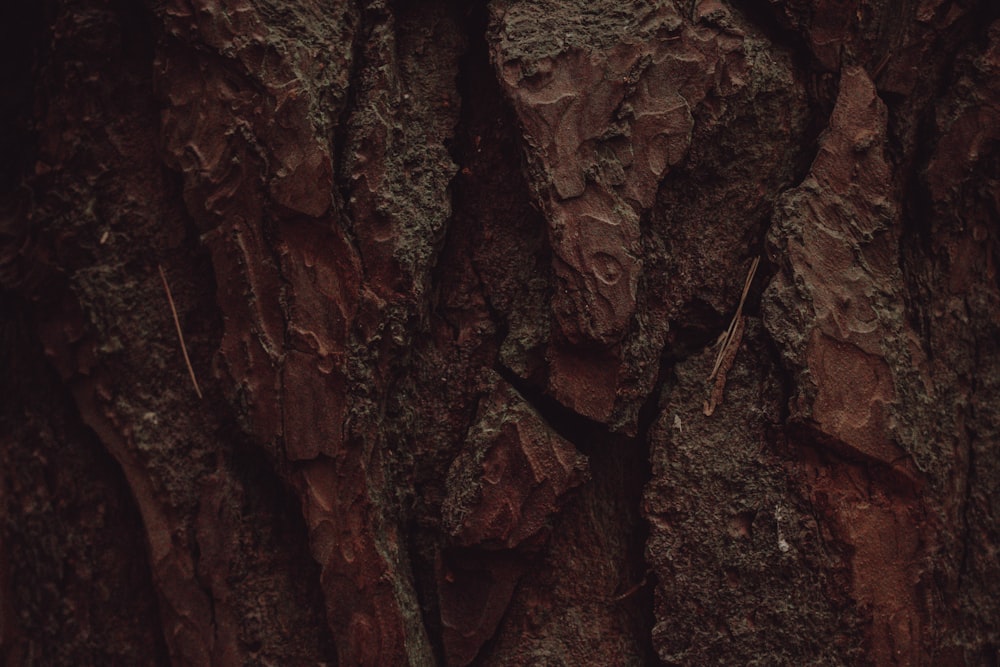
{"x": 452, "y": 278}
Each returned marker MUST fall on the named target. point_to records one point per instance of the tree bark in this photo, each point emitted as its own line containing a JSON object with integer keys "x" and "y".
{"x": 507, "y": 333}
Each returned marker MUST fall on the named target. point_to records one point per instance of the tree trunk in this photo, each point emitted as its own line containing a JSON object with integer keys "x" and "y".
{"x": 507, "y": 333}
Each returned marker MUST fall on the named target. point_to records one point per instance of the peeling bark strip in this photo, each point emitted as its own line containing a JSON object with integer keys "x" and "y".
{"x": 841, "y": 232}
{"x": 449, "y": 273}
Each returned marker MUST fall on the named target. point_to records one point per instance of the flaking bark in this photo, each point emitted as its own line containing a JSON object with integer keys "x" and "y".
{"x": 450, "y": 277}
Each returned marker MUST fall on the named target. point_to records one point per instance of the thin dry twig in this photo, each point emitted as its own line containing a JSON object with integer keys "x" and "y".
{"x": 729, "y": 343}
{"x": 632, "y": 590}
{"x": 180, "y": 334}
{"x": 726, "y": 340}
{"x": 729, "y": 355}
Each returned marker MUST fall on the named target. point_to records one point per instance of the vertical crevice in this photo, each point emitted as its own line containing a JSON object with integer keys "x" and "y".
{"x": 273, "y": 507}
{"x": 341, "y": 133}
{"x": 821, "y": 87}
{"x": 71, "y": 527}
{"x": 642, "y": 603}
{"x": 912, "y": 151}
{"x": 441, "y": 324}
{"x": 23, "y": 51}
